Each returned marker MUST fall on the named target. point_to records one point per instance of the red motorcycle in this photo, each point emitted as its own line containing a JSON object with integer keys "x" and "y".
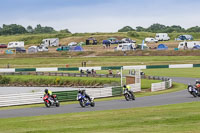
{"x": 51, "y": 101}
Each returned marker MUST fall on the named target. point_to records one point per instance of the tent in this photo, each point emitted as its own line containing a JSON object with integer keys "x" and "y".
{"x": 81, "y": 43}
{"x": 72, "y": 44}
{"x": 88, "y": 41}
{"x": 196, "y": 47}
{"x": 112, "y": 39}
{"x": 142, "y": 46}
{"x": 162, "y": 47}
{"x": 106, "y": 42}
{"x": 76, "y": 48}
{"x": 32, "y": 49}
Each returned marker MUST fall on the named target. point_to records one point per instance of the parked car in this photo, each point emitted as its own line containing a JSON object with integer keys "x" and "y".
{"x": 3, "y": 46}
{"x": 63, "y": 48}
{"x": 151, "y": 40}
{"x": 20, "y": 50}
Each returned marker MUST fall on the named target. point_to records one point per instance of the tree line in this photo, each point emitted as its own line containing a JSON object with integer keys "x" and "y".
{"x": 160, "y": 28}
{"x": 13, "y": 29}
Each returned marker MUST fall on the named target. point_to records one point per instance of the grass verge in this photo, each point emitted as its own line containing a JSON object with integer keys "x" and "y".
{"x": 174, "y": 72}
{"x": 176, "y": 118}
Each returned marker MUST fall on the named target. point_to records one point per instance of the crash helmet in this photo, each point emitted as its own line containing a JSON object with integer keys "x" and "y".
{"x": 79, "y": 91}
{"x": 46, "y": 91}
{"x": 124, "y": 86}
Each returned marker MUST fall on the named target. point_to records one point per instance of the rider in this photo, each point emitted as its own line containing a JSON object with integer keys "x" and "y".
{"x": 82, "y": 92}
{"x": 128, "y": 88}
{"x": 49, "y": 93}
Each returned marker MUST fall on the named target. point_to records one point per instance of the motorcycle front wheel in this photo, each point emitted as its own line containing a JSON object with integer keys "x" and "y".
{"x": 82, "y": 103}
{"x": 47, "y": 104}
{"x": 126, "y": 97}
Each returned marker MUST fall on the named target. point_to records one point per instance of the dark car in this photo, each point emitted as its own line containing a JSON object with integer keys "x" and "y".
{"x": 20, "y": 50}
{"x": 3, "y": 46}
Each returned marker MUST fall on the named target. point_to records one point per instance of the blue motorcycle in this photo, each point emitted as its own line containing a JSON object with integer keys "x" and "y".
{"x": 85, "y": 101}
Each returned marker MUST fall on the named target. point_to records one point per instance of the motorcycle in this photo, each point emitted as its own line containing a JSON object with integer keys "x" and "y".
{"x": 193, "y": 91}
{"x": 85, "y": 101}
{"x": 128, "y": 95}
{"x": 49, "y": 101}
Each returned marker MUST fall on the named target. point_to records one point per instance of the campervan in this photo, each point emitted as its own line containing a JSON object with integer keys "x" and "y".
{"x": 15, "y": 44}
{"x": 188, "y": 45}
{"x": 49, "y": 42}
{"x": 162, "y": 37}
{"x": 126, "y": 47}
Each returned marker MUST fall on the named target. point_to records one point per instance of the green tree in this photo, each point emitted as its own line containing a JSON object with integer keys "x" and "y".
{"x": 126, "y": 29}
{"x": 65, "y": 31}
{"x": 29, "y": 29}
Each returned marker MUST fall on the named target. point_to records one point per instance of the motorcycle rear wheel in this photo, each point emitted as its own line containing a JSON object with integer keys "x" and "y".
{"x": 92, "y": 104}
{"x": 57, "y": 104}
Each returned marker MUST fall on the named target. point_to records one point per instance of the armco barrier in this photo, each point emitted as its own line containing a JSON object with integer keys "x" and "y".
{"x": 99, "y": 92}
{"x": 117, "y": 91}
{"x": 21, "y": 99}
{"x": 66, "y": 95}
{"x": 99, "y": 68}
{"x": 161, "y": 86}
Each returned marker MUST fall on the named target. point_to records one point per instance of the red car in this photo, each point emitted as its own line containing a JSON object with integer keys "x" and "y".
{"x": 3, "y": 46}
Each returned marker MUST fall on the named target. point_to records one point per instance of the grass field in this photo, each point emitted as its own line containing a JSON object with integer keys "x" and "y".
{"x": 97, "y": 61}
{"x": 176, "y": 118}
{"x": 174, "y": 72}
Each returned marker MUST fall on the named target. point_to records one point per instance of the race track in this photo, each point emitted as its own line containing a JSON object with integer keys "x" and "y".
{"x": 164, "y": 99}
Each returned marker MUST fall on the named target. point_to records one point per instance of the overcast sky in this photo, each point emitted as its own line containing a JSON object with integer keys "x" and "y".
{"x": 99, "y": 15}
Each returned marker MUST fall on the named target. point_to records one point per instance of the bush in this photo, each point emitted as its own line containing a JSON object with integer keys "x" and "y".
{"x": 4, "y": 80}
{"x": 133, "y": 34}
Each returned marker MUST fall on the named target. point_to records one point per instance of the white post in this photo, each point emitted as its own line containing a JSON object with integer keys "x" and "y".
{"x": 121, "y": 77}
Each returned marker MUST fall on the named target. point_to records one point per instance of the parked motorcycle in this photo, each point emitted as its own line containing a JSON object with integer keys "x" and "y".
{"x": 49, "y": 101}
{"x": 193, "y": 91}
{"x": 85, "y": 101}
{"x": 129, "y": 95}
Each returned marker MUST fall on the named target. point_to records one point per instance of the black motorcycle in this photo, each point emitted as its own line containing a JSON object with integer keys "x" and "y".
{"x": 193, "y": 91}
{"x": 129, "y": 95}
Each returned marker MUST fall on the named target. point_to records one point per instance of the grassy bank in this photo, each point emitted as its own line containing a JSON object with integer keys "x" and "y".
{"x": 174, "y": 72}
{"x": 33, "y": 80}
{"x": 97, "y": 61}
{"x": 177, "y": 118}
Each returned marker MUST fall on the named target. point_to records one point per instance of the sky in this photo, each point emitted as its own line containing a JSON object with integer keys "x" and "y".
{"x": 99, "y": 15}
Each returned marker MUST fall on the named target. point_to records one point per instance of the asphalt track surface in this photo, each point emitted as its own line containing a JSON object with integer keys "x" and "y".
{"x": 156, "y": 100}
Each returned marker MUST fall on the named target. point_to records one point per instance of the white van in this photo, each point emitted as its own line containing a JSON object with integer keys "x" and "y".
{"x": 126, "y": 47}
{"x": 150, "y": 40}
{"x": 49, "y": 42}
{"x": 15, "y": 44}
{"x": 162, "y": 37}
{"x": 188, "y": 45}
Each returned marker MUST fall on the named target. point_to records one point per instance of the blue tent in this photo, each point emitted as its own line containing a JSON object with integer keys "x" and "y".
{"x": 196, "y": 47}
{"x": 106, "y": 42}
{"x": 162, "y": 47}
{"x": 76, "y": 48}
